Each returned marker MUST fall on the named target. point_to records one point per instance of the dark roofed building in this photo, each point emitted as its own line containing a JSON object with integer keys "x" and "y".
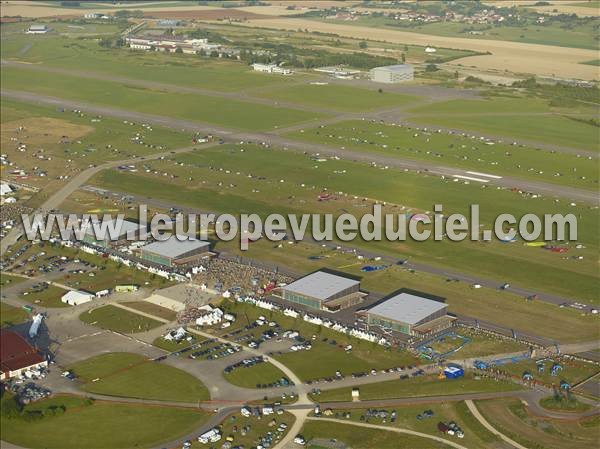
{"x": 17, "y": 355}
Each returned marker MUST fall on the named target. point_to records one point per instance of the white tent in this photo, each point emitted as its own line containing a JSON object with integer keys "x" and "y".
{"x": 74, "y": 298}
{"x": 5, "y": 189}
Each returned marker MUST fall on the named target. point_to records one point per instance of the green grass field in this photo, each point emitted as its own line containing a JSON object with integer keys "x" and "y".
{"x": 87, "y": 140}
{"x": 485, "y": 304}
{"x": 478, "y": 346}
{"x": 327, "y": 354}
{"x": 229, "y": 192}
{"x": 595, "y": 62}
{"x": 513, "y": 419}
{"x": 49, "y": 297}
{"x": 428, "y": 385}
{"x": 363, "y": 438}
{"x": 118, "y": 320}
{"x": 511, "y": 119}
{"x": 7, "y": 280}
{"x": 573, "y": 371}
{"x": 337, "y": 97}
{"x": 230, "y": 113}
{"x": 252, "y": 377}
{"x": 455, "y": 151}
{"x": 152, "y": 309}
{"x": 134, "y": 376}
{"x": 86, "y": 54}
{"x": 564, "y": 405}
{"x": 100, "y": 425}
{"x": 255, "y": 428}
{"x": 579, "y": 36}
{"x": 476, "y": 436}
{"x": 11, "y": 316}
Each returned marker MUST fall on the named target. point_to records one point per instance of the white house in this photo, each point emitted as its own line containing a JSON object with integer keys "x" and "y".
{"x": 75, "y": 298}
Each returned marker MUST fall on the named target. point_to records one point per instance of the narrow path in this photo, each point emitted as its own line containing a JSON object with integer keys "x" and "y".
{"x": 488, "y": 426}
{"x": 391, "y": 429}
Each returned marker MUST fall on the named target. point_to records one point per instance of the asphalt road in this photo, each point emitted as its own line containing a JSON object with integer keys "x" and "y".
{"x": 550, "y": 190}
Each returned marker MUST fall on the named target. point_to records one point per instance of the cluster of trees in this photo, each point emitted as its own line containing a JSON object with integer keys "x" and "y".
{"x": 310, "y": 58}
{"x": 12, "y": 409}
{"x": 107, "y": 42}
{"x": 561, "y": 94}
{"x": 126, "y": 13}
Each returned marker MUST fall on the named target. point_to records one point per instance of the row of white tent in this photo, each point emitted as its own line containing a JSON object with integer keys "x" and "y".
{"x": 348, "y": 330}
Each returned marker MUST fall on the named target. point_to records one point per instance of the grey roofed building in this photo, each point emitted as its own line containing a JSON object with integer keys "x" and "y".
{"x": 407, "y": 308}
{"x": 392, "y": 73}
{"x": 173, "y": 247}
{"x": 126, "y": 226}
{"x": 321, "y": 285}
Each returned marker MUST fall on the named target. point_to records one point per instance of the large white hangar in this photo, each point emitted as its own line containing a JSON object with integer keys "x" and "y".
{"x": 409, "y": 314}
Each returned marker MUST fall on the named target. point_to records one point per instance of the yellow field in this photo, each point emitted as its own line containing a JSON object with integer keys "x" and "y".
{"x": 515, "y": 57}
{"x": 562, "y": 7}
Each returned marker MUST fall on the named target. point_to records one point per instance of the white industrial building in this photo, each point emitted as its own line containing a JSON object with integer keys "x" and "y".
{"x": 409, "y": 314}
{"x": 391, "y": 74}
{"x": 75, "y": 298}
{"x": 324, "y": 291}
{"x": 173, "y": 251}
{"x": 271, "y": 68}
{"x": 38, "y": 29}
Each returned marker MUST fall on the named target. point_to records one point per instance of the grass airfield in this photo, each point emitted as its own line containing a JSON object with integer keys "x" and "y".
{"x": 247, "y": 178}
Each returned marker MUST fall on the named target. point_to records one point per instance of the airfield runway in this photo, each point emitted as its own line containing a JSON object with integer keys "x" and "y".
{"x": 231, "y": 135}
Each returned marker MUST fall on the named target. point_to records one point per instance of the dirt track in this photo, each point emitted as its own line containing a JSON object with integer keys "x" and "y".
{"x": 515, "y": 57}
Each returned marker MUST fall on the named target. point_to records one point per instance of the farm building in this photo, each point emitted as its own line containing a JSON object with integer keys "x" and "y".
{"x": 121, "y": 235}
{"x": 17, "y": 355}
{"x": 392, "y": 74}
{"x": 324, "y": 291}
{"x": 409, "y": 314}
{"x": 74, "y": 298}
{"x": 38, "y": 29}
{"x": 173, "y": 251}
